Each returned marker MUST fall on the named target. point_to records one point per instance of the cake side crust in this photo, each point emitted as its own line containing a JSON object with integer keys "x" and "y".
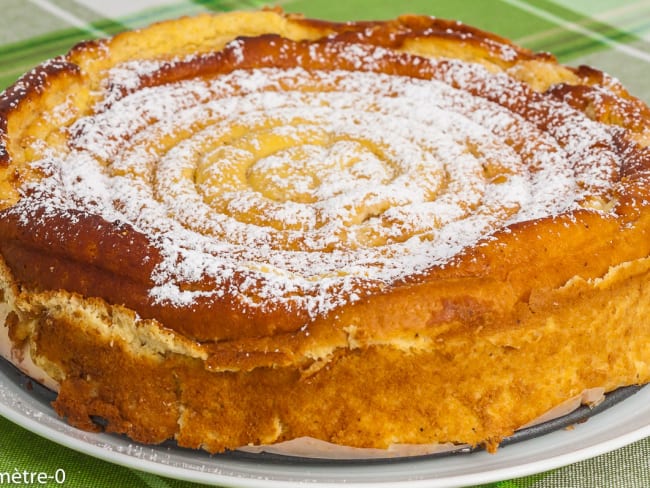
{"x": 463, "y": 388}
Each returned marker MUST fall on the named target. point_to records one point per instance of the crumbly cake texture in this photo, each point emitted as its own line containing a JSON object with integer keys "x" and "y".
{"x": 253, "y": 227}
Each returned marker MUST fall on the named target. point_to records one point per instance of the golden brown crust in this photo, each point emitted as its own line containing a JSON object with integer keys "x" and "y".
{"x": 461, "y": 349}
{"x": 367, "y": 395}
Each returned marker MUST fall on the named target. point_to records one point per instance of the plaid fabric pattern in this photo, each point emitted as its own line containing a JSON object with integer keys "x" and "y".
{"x": 613, "y": 35}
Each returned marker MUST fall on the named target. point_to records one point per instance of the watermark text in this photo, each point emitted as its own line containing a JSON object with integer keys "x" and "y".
{"x": 25, "y": 477}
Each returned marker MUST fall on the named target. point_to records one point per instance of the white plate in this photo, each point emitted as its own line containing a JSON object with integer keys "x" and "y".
{"x": 620, "y": 425}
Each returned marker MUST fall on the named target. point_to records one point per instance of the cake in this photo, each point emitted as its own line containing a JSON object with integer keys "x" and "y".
{"x": 249, "y": 228}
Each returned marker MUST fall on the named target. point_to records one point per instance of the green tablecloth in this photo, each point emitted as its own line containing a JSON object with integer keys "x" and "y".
{"x": 612, "y": 35}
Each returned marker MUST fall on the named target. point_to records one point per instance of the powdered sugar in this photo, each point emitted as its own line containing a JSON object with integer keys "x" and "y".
{"x": 304, "y": 197}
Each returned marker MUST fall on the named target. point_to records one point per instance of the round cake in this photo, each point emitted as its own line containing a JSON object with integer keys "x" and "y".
{"x": 249, "y": 228}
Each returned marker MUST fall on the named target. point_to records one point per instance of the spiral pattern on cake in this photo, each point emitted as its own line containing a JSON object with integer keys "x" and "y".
{"x": 297, "y": 176}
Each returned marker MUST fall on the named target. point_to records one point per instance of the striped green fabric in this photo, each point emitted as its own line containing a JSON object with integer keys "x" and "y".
{"x": 620, "y": 28}
{"x": 613, "y": 35}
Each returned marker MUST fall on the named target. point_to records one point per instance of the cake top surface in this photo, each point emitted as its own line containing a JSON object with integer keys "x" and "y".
{"x": 275, "y": 173}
